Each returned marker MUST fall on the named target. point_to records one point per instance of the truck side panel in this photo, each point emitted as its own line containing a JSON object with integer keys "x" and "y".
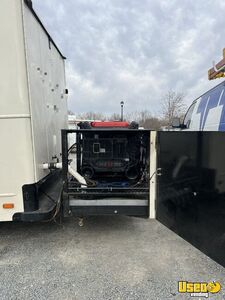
{"x": 16, "y": 160}
{"x": 48, "y": 100}
{"x": 15, "y": 164}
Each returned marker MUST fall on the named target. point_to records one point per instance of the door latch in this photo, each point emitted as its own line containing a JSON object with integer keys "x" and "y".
{"x": 159, "y": 172}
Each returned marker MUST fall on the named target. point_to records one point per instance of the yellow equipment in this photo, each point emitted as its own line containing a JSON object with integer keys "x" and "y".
{"x": 218, "y": 70}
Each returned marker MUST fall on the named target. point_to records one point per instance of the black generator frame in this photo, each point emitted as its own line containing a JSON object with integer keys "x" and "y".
{"x": 71, "y": 191}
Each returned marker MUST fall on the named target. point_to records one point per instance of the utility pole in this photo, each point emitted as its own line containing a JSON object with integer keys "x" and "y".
{"x": 121, "y": 104}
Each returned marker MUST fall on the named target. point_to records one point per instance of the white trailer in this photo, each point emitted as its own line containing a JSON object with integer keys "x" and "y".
{"x": 33, "y": 110}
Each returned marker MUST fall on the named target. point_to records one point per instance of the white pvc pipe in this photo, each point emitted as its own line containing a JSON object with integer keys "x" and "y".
{"x": 77, "y": 176}
{"x": 47, "y": 166}
{"x": 72, "y": 172}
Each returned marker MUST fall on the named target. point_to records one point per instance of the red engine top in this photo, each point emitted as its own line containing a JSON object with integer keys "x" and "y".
{"x": 109, "y": 124}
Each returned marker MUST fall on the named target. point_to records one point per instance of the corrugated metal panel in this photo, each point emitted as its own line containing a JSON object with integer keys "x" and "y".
{"x": 30, "y": 6}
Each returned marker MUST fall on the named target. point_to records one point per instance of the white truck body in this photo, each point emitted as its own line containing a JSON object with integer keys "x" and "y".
{"x": 207, "y": 113}
{"x": 33, "y": 102}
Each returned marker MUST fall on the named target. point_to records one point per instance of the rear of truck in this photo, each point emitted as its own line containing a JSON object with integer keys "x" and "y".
{"x": 16, "y": 159}
{"x": 33, "y": 109}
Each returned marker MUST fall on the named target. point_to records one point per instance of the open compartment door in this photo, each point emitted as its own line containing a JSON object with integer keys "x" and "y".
{"x": 191, "y": 188}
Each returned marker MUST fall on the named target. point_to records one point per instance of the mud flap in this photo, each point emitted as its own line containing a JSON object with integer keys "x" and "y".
{"x": 41, "y": 200}
{"x": 191, "y": 189}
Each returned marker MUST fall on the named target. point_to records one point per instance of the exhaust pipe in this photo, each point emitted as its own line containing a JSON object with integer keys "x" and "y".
{"x": 75, "y": 174}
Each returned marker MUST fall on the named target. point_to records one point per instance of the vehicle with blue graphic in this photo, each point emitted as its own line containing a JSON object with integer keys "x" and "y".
{"x": 207, "y": 113}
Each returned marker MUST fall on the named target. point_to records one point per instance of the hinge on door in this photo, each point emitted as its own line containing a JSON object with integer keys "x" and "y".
{"x": 159, "y": 172}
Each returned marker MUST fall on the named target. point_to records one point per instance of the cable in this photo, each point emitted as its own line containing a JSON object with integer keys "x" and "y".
{"x": 71, "y": 147}
{"x": 153, "y": 174}
{"x": 57, "y": 209}
{"x": 92, "y": 183}
{"x": 142, "y": 179}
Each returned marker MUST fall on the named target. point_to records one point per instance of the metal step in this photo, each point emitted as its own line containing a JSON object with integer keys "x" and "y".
{"x": 109, "y": 202}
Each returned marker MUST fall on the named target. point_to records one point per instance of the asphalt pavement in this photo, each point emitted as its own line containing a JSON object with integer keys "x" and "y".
{"x": 109, "y": 258}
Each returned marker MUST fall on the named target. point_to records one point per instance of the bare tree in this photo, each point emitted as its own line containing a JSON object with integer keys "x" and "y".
{"x": 138, "y": 116}
{"x": 152, "y": 123}
{"x": 91, "y": 116}
{"x": 145, "y": 119}
{"x": 70, "y": 113}
{"x": 115, "y": 117}
{"x": 173, "y": 106}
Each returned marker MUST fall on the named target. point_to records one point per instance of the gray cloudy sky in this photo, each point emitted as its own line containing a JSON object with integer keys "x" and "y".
{"x": 135, "y": 50}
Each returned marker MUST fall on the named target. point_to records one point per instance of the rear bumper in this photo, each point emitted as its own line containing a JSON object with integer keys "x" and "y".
{"x": 135, "y": 211}
{"x": 109, "y": 206}
{"x": 41, "y": 199}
